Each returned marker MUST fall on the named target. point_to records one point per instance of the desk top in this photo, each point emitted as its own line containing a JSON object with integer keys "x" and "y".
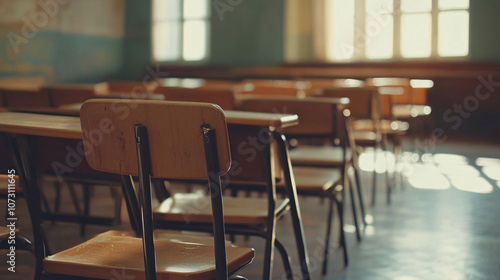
{"x": 69, "y": 127}
{"x": 64, "y": 110}
{"x": 41, "y": 125}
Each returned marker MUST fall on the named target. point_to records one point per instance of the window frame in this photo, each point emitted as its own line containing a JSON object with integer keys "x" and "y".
{"x": 361, "y": 16}
{"x": 181, "y": 20}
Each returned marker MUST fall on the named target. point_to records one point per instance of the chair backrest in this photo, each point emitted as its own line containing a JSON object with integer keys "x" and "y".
{"x": 25, "y": 98}
{"x": 419, "y": 96}
{"x": 364, "y": 102}
{"x": 136, "y": 87}
{"x": 71, "y": 93}
{"x": 175, "y": 136}
{"x": 317, "y": 117}
{"x": 224, "y": 97}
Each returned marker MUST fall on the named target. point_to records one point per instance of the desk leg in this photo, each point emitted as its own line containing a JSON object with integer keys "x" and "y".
{"x": 294, "y": 206}
{"x": 20, "y": 146}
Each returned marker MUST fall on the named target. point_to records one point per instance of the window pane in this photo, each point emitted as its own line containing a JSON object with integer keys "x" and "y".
{"x": 379, "y": 36}
{"x": 166, "y": 41}
{"x": 453, "y": 4}
{"x": 195, "y": 9}
{"x": 341, "y": 29}
{"x": 416, "y": 35}
{"x": 379, "y": 6}
{"x": 195, "y": 40}
{"x": 453, "y": 33}
{"x": 166, "y": 9}
{"x": 415, "y": 6}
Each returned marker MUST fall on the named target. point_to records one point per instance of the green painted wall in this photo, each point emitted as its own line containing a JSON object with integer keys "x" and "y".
{"x": 137, "y": 42}
{"x": 484, "y": 30}
{"x": 252, "y": 33}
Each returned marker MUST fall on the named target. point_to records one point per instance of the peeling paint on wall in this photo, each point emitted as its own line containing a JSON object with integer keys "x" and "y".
{"x": 62, "y": 40}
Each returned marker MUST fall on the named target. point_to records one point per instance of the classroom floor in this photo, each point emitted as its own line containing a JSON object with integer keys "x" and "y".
{"x": 443, "y": 224}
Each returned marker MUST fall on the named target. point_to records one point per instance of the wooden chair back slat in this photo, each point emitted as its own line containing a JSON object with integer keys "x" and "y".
{"x": 309, "y": 110}
{"x": 134, "y": 87}
{"x": 70, "y": 94}
{"x": 419, "y": 96}
{"x": 364, "y": 102}
{"x": 224, "y": 97}
{"x": 169, "y": 124}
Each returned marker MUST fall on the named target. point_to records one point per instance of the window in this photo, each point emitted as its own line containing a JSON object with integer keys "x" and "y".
{"x": 394, "y": 29}
{"x": 180, "y": 30}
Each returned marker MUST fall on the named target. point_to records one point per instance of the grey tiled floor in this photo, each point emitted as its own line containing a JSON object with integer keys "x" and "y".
{"x": 448, "y": 232}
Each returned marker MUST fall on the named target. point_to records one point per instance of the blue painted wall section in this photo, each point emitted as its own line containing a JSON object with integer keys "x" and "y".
{"x": 72, "y": 42}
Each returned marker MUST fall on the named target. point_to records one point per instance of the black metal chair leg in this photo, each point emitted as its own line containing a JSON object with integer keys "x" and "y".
{"x": 269, "y": 250}
{"x": 387, "y": 175}
{"x": 86, "y": 207}
{"x": 74, "y": 198}
{"x": 294, "y": 206}
{"x": 374, "y": 178}
{"x": 329, "y": 222}
{"x": 360, "y": 193}
{"x": 340, "y": 207}
{"x": 285, "y": 258}
{"x": 354, "y": 210}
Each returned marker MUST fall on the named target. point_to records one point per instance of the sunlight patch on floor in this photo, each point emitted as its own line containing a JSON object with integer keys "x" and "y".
{"x": 429, "y": 177}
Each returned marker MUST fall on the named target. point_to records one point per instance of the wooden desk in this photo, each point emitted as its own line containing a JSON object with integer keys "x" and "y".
{"x": 69, "y": 127}
{"x": 25, "y": 125}
{"x": 63, "y": 110}
{"x": 40, "y": 125}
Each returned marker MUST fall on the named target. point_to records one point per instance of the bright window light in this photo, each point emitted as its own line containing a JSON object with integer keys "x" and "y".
{"x": 166, "y": 9}
{"x": 195, "y": 9}
{"x": 195, "y": 40}
{"x": 416, "y": 6}
{"x": 166, "y": 36}
{"x": 453, "y": 33}
{"x": 416, "y": 35}
{"x": 453, "y": 4}
{"x": 180, "y": 30}
{"x": 341, "y": 41}
{"x": 379, "y": 36}
{"x": 379, "y": 6}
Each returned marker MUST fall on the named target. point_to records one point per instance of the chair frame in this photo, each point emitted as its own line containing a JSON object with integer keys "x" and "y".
{"x": 141, "y": 221}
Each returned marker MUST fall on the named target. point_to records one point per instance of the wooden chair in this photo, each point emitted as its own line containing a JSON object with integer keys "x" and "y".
{"x": 193, "y": 144}
{"x": 224, "y": 97}
{"x": 247, "y": 215}
{"x": 367, "y": 127}
{"x": 315, "y": 176}
{"x": 415, "y": 110}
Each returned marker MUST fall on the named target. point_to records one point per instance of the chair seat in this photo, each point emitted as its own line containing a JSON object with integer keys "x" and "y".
{"x": 112, "y": 254}
{"x": 196, "y": 207}
{"x": 364, "y": 138}
{"x": 314, "y": 179}
{"x": 322, "y": 156}
{"x": 386, "y": 126}
{"x": 410, "y": 111}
